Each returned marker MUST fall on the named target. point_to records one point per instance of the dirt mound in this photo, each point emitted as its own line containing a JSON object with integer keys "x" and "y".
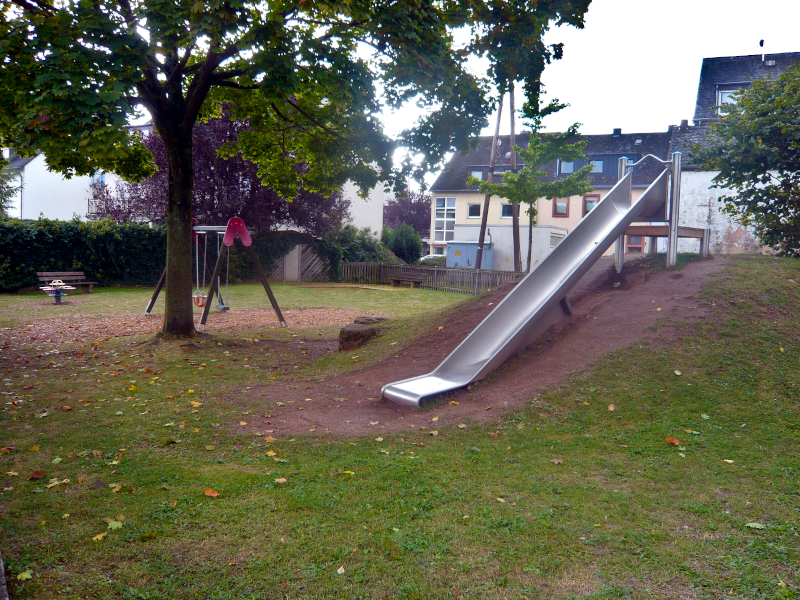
{"x": 610, "y": 311}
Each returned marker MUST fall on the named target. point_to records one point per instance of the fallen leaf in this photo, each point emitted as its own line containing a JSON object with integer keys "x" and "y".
{"x": 34, "y": 448}
{"x": 673, "y": 441}
{"x": 99, "y": 536}
{"x": 190, "y": 391}
{"x": 658, "y": 310}
{"x": 211, "y": 493}
{"x": 8, "y": 449}
{"x": 462, "y": 425}
{"x": 612, "y": 408}
{"x": 434, "y": 433}
{"x": 705, "y": 416}
{"x": 379, "y": 439}
{"x": 242, "y": 422}
{"x": 557, "y": 461}
{"x": 27, "y": 574}
{"x": 209, "y": 447}
{"x": 57, "y": 460}
{"x": 434, "y": 419}
{"x": 347, "y": 473}
{"x": 501, "y": 500}
{"x": 37, "y": 474}
{"x": 374, "y": 422}
{"x": 728, "y": 460}
{"x": 196, "y": 404}
{"x": 453, "y": 402}
{"x": 678, "y": 373}
{"x": 755, "y": 525}
{"x": 112, "y": 524}
{"x": 280, "y": 480}
{"x": 66, "y": 408}
{"x": 132, "y": 388}
{"x": 12, "y": 473}
{"x": 340, "y": 570}
{"x": 116, "y": 489}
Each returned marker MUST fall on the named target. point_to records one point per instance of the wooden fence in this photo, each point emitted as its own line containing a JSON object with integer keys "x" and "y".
{"x": 312, "y": 267}
{"x": 465, "y": 281}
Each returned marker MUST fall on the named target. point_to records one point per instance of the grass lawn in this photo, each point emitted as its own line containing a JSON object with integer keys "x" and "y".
{"x": 147, "y": 493}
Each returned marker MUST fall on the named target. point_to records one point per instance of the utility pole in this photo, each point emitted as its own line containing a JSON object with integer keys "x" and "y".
{"x": 488, "y": 197}
{"x": 514, "y": 205}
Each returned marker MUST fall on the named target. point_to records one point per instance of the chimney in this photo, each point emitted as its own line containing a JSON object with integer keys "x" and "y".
{"x": 617, "y": 132}
{"x": 684, "y": 123}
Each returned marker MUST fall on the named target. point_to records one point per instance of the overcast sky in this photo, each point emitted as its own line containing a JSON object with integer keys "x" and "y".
{"x": 636, "y": 63}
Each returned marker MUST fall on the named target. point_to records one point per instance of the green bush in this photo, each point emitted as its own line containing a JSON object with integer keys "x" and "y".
{"x": 360, "y": 245}
{"x": 404, "y": 242}
{"x": 108, "y": 253}
{"x": 123, "y": 254}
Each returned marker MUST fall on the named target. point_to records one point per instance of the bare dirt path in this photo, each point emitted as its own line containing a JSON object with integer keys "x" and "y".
{"x": 610, "y": 312}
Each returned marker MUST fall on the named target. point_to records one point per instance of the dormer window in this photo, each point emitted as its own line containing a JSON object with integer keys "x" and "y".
{"x": 725, "y": 92}
{"x": 477, "y": 174}
{"x": 567, "y": 167}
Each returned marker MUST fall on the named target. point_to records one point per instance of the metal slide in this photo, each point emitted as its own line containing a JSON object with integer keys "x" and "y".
{"x": 535, "y": 303}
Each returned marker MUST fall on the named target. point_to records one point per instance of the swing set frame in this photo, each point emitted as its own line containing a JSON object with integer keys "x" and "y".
{"x": 234, "y": 229}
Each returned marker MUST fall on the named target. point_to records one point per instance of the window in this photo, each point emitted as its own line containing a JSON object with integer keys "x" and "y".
{"x": 444, "y": 219}
{"x": 438, "y": 250}
{"x": 506, "y": 211}
{"x": 473, "y": 210}
{"x": 726, "y": 90}
{"x": 597, "y": 166}
{"x": 561, "y": 207}
{"x": 98, "y": 179}
{"x": 477, "y": 174}
{"x": 589, "y": 202}
{"x": 567, "y": 167}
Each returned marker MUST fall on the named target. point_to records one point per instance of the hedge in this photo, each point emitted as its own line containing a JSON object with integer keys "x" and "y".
{"x": 126, "y": 254}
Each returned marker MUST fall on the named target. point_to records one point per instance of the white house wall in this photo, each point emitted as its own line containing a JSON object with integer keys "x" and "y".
{"x": 502, "y": 238}
{"x": 52, "y": 195}
{"x": 367, "y": 212}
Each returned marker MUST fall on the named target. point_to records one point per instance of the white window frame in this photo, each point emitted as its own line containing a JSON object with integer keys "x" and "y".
{"x": 444, "y": 219}
{"x": 569, "y": 170}
{"x": 477, "y": 174}
{"x": 504, "y": 204}
{"x": 597, "y": 166}
{"x": 470, "y": 205}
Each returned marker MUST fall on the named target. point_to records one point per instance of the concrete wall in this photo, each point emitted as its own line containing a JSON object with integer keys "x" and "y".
{"x": 367, "y": 212}
{"x": 700, "y": 208}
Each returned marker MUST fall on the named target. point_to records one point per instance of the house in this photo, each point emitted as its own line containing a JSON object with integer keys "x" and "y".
{"x": 367, "y": 212}
{"x": 456, "y": 206}
{"x": 46, "y": 193}
{"x": 700, "y": 206}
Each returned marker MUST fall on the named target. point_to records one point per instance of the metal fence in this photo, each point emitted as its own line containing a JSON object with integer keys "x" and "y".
{"x": 465, "y": 281}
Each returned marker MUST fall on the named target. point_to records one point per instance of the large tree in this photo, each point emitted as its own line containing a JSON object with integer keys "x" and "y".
{"x": 224, "y": 187}
{"x": 412, "y": 208}
{"x": 532, "y": 182}
{"x": 9, "y": 187}
{"x": 74, "y": 71}
{"x": 755, "y": 146}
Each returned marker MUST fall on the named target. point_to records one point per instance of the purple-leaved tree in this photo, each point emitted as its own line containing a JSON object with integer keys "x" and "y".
{"x": 224, "y": 187}
{"x": 413, "y": 208}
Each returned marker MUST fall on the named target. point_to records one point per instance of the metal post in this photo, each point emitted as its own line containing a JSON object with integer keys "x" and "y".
{"x": 217, "y": 270}
{"x": 674, "y": 210}
{"x": 263, "y": 276}
{"x": 619, "y": 247}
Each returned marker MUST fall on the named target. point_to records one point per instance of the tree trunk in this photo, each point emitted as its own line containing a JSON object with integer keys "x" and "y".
{"x": 515, "y": 205}
{"x": 530, "y": 239}
{"x": 178, "y": 310}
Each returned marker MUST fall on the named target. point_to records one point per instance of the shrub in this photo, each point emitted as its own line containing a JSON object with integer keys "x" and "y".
{"x": 404, "y": 242}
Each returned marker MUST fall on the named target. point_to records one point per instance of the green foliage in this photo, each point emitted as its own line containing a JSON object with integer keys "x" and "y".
{"x": 124, "y": 254}
{"x": 106, "y": 252}
{"x": 360, "y": 245}
{"x": 404, "y": 242}
{"x": 529, "y": 184}
{"x": 756, "y": 149}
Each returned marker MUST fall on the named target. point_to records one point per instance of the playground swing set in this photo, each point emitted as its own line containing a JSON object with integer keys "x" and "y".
{"x": 225, "y": 238}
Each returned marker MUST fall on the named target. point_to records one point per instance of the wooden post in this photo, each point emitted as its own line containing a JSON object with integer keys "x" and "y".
{"x": 487, "y": 198}
{"x": 159, "y": 285}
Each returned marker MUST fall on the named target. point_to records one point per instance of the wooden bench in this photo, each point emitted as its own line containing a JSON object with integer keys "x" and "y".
{"x": 413, "y": 279}
{"x": 76, "y": 278}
